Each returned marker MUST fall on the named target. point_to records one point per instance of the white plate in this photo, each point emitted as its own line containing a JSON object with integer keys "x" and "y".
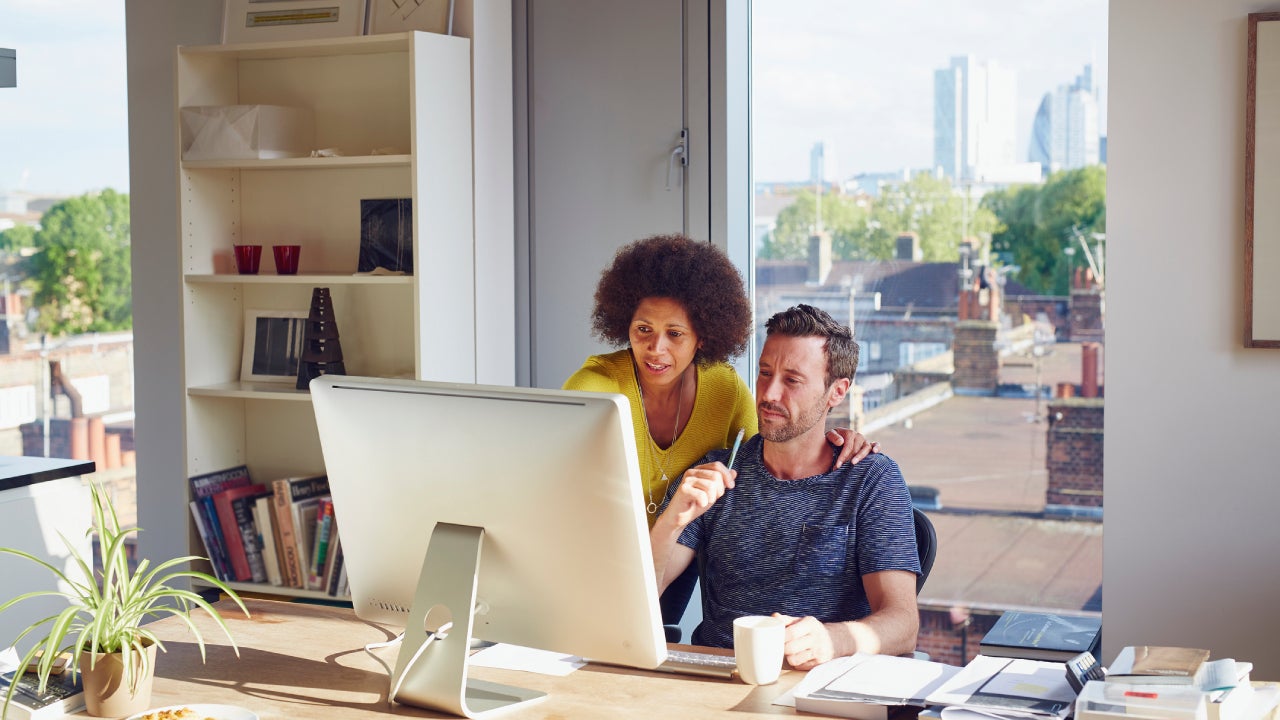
{"x": 203, "y": 711}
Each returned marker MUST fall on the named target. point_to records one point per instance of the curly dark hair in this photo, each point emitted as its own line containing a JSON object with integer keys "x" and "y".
{"x": 696, "y": 274}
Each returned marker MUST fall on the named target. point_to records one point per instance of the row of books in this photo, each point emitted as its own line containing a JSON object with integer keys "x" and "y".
{"x": 281, "y": 533}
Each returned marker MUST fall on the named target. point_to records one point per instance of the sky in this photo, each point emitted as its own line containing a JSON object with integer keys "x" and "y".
{"x": 64, "y": 129}
{"x": 857, "y": 74}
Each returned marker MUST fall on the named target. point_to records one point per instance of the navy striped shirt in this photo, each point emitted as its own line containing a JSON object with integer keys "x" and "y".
{"x": 798, "y": 547}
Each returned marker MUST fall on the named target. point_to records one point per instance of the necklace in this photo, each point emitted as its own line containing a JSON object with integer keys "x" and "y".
{"x": 656, "y": 452}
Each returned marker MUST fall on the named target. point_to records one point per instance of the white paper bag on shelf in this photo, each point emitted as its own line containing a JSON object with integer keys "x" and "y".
{"x": 246, "y": 132}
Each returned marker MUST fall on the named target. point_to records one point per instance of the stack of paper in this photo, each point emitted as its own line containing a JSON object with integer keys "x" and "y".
{"x": 1008, "y": 687}
{"x": 867, "y": 687}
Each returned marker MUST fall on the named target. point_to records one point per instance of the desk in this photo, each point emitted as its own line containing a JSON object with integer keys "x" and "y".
{"x": 307, "y": 661}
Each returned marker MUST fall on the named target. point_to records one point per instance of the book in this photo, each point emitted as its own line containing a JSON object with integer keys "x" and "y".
{"x": 63, "y": 695}
{"x": 305, "y": 513}
{"x": 320, "y": 549}
{"x": 336, "y": 572}
{"x": 268, "y": 539}
{"x": 288, "y": 492}
{"x": 250, "y": 538}
{"x": 1042, "y": 636}
{"x": 203, "y": 488}
{"x": 1158, "y": 665}
{"x": 231, "y": 532}
{"x": 1107, "y": 700}
{"x": 871, "y": 687}
{"x": 333, "y": 556}
{"x": 211, "y": 549}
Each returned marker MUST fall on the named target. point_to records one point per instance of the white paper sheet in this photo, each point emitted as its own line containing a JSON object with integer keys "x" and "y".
{"x": 516, "y": 657}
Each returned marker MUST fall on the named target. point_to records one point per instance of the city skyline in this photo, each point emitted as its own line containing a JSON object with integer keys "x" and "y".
{"x": 72, "y": 62}
{"x": 860, "y": 75}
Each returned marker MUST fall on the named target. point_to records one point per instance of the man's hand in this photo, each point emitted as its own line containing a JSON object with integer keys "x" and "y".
{"x": 700, "y": 488}
{"x": 809, "y": 643}
{"x": 853, "y": 446}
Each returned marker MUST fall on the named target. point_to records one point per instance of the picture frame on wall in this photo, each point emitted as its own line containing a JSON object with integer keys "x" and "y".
{"x": 1262, "y": 181}
{"x": 272, "y": 20}
{"x": 387, "y": 16}
{"x": 272, "y": 345}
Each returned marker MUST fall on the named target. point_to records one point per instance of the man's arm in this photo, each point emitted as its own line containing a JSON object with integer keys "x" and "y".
{"x": 890, "y": 629}
{"x": 700, "y": 487}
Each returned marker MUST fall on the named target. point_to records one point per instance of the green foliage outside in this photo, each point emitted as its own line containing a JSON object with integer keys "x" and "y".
{"x": 80, "y": 273}
{"x": 1029, "y": 226}
{"x": 925, "y": 205}
{"x": 1040, "y": 223}
{"x": 16, "y": 238}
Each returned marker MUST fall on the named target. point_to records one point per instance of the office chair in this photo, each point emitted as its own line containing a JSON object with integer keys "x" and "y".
{"x": 926, "y": 546}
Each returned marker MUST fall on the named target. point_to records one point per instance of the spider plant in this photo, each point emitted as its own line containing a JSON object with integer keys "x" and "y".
{"x": 109, "y": 608}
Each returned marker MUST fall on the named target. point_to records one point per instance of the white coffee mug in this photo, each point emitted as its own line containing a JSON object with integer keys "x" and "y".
{"x": 757, "y": 646}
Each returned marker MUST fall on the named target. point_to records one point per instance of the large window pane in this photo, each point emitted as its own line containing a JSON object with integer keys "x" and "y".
{"x": 933, "y": 173}
{"x": 66, "y": 344}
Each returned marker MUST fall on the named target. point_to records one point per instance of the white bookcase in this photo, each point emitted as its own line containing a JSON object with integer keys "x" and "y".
{"x": 398, "y": 109}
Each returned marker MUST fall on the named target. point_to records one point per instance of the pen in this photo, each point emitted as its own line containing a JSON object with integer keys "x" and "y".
{"x": 736, "y": 442}
{"x": 1135, "y": 693}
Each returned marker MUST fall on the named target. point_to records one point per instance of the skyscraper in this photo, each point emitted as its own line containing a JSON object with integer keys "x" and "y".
{"x": 1065, "y": 134}
{"x": 974, "y": 117}
{"x": 822, "y": 163}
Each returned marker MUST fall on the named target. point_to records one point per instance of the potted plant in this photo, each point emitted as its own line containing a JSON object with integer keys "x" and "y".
{"x": 103, "y": 631}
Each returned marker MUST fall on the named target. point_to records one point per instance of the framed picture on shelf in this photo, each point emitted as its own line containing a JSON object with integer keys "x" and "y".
{"x": 271, "y": 20}
{"x": 387, "y": 16}
{"x": 272, "y": 345}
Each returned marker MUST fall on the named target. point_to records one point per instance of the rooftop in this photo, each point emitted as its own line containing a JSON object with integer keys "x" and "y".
{"x": 986, "y": 458}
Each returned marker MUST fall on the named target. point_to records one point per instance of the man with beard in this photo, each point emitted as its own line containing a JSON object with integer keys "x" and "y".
{"x": 832, "y": 552}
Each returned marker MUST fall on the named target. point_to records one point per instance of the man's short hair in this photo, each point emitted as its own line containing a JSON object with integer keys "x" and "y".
{"x": 808, "y": 321}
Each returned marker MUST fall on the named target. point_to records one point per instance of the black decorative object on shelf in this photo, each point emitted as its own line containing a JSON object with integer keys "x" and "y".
{"x": 321, "y": 350}
{"x": 386, "y": 235}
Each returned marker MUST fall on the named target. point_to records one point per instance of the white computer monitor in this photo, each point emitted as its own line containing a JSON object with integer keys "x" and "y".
{"x": 531, "y": 505}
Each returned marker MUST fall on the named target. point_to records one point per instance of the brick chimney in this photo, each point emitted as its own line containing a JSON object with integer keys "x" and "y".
{"x": 1074, "y": 457}
{"x": 908, "y": 247}
{"x": 977, "y": 361}
{"x": 819, "y": 258}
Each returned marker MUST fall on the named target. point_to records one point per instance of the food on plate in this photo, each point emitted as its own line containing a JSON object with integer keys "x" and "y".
{"x": 178, "y": 713}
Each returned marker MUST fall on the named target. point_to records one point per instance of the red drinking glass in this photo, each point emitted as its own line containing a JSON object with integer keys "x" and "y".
{"x": 247, "y": 259}
{"x": 286, "y": 258}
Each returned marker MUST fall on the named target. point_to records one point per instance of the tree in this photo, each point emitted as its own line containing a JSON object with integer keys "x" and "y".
{"x": 841, "y": 216}
{"x": 17, "y": 237}
{"x": 1041, "y": 222}
{"x": 81, "y": 271}
{"x": 929, "y": 206}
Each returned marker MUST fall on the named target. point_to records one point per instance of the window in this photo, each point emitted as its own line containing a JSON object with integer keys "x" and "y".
{"x": 909, "y": 162}
{"x": 66, "y": 344}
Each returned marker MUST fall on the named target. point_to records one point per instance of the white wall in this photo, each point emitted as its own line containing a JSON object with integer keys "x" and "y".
{"x": 1192, "y": 456}
{"x": 152, "y": 29}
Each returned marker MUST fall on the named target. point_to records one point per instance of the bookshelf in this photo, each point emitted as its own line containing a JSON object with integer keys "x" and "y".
{"x": 397, "y": 108}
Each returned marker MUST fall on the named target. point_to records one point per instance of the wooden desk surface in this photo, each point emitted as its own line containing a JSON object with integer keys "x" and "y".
{"x": 307, "y": 661}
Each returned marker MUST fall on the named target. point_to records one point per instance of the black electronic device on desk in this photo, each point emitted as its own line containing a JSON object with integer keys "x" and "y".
{"x": 1083, "y": 668}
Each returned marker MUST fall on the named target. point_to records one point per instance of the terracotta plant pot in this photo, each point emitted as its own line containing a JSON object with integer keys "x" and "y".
{"x": 105, "y": 692}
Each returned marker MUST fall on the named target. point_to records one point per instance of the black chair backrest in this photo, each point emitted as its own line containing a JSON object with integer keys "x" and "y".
{"x": 926, "y": 544}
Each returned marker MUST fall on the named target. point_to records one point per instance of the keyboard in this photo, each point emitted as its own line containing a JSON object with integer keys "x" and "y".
{"x": 697, "y": 663}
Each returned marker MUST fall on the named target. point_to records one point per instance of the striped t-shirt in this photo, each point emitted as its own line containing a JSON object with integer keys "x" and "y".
{"x": 798, "y": 547}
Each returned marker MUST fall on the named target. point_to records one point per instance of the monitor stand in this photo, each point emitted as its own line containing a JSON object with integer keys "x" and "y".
{"x": 432, "y": 673}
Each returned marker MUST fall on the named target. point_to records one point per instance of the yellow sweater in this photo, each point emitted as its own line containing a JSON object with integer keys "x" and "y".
{"x": 722, "y": 406}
